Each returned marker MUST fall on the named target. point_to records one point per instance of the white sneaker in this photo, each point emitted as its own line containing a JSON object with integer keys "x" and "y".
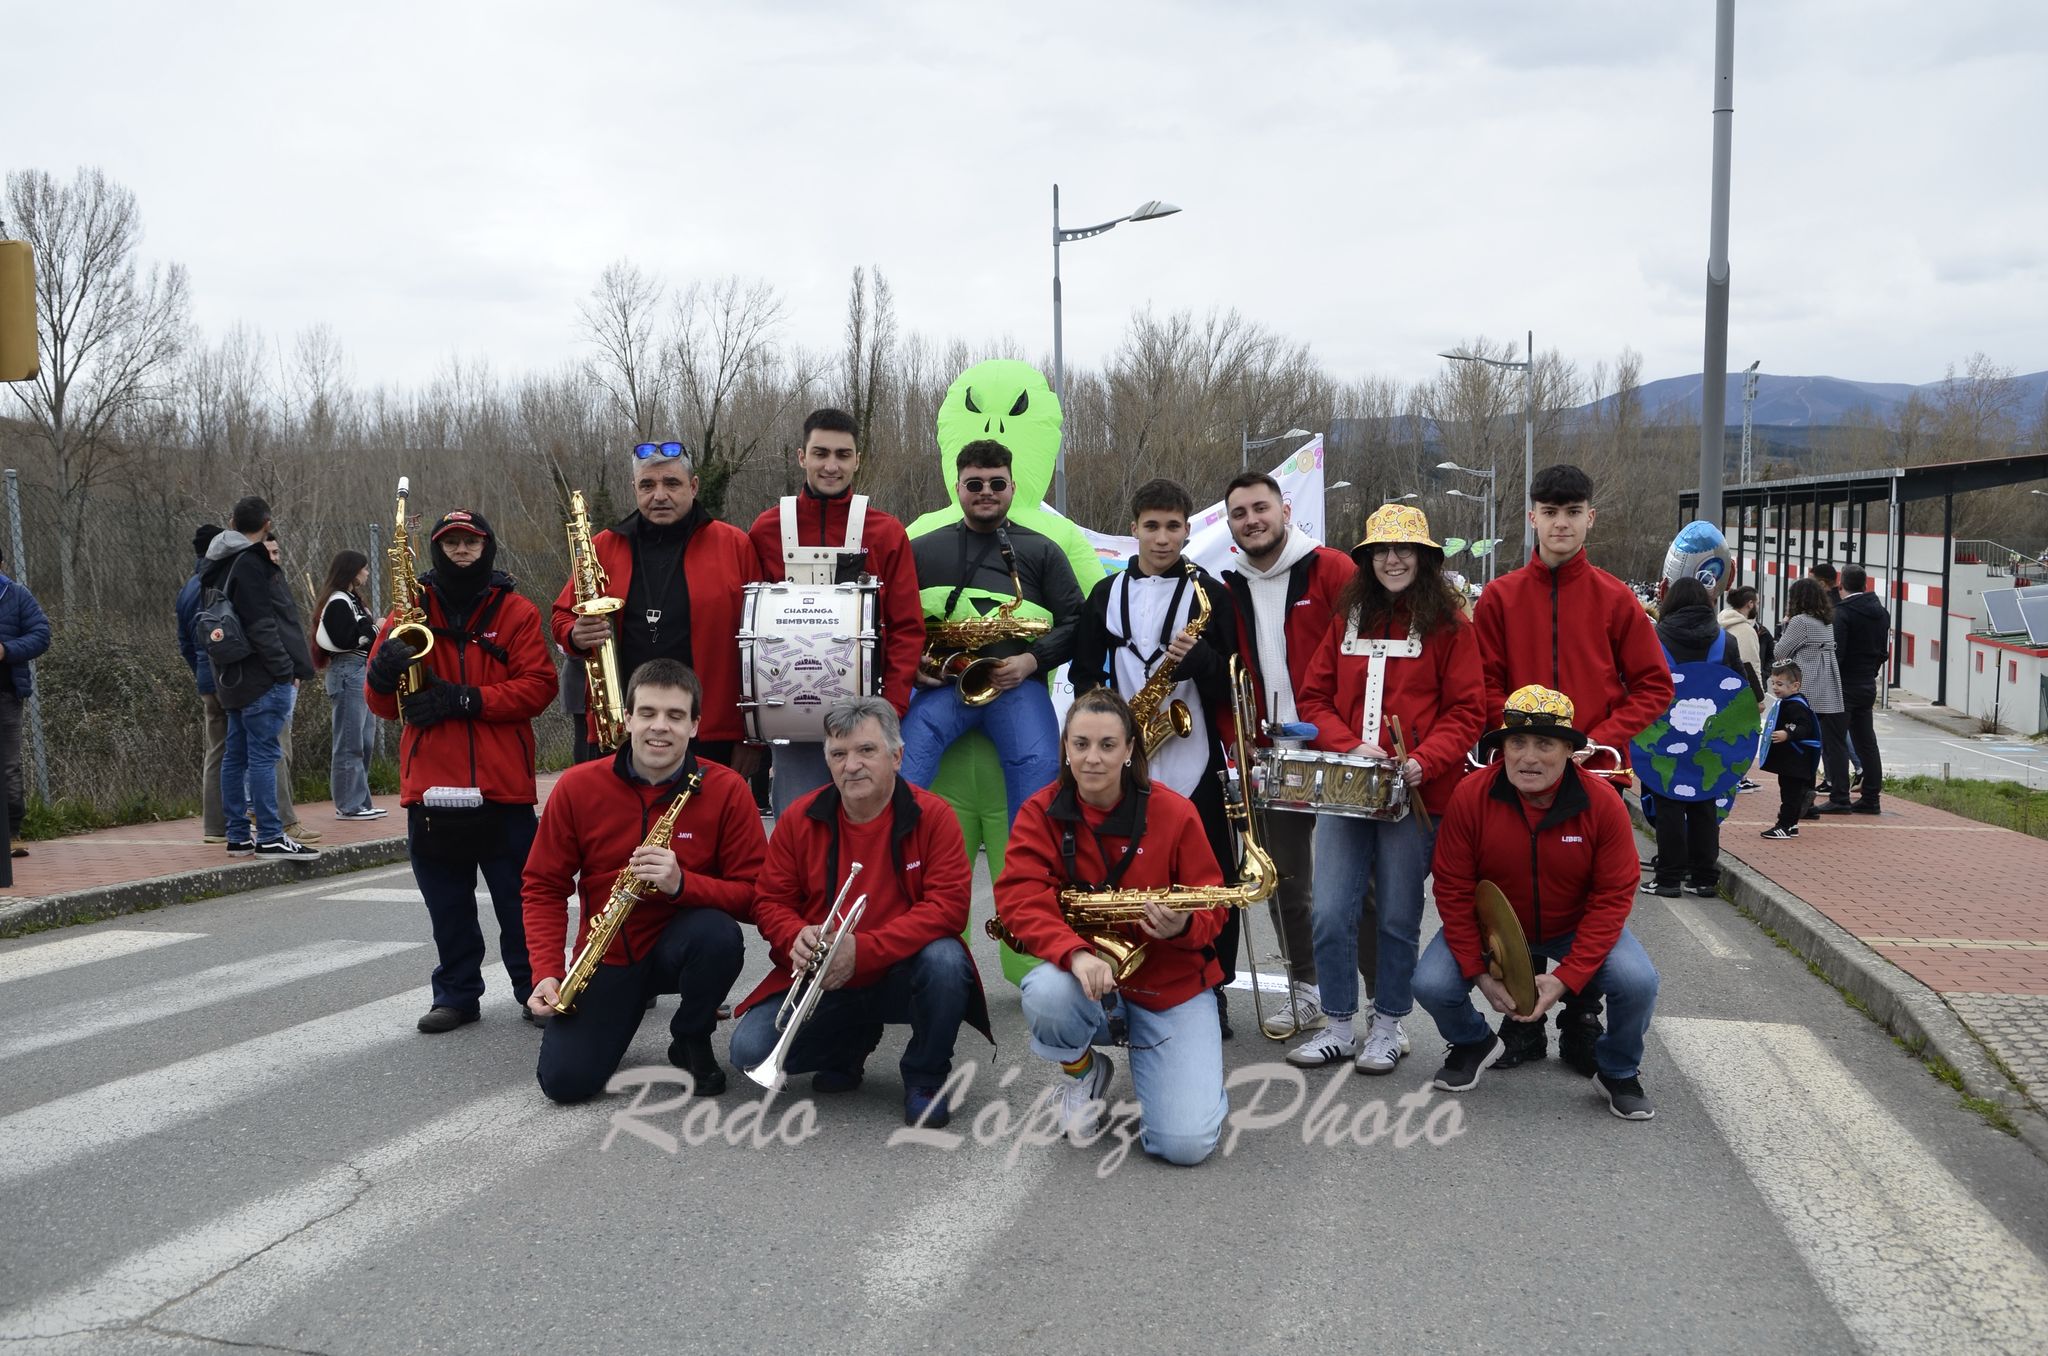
{"x": 1082, "y": 1109}
{"x": 1325, "y": 1047}
{"x": 1384, "y": 1046}
{"x": 1301, "y": 1014}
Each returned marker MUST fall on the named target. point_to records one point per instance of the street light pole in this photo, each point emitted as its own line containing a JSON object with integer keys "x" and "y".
{"x": 1714, "y": 371}
{"x": 1246, "y": 443}
{"x": 1490, "y": 498}
{"x": 1528, "y": 371}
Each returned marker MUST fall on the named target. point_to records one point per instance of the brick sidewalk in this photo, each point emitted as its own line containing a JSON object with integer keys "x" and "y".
{"x": 1960, "y": 906}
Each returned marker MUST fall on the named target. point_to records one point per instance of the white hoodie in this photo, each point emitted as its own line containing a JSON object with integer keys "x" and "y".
{"x": 1268, "y": 588}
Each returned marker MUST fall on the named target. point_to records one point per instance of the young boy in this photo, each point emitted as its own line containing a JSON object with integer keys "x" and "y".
{"x": 1795, "y": 749}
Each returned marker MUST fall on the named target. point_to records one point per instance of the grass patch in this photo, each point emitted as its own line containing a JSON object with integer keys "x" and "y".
{"x": 2008, "y": 805}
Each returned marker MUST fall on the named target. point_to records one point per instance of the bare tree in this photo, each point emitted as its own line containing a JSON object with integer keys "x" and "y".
{"x": 110, "y": 338}
{"x": 725, "y": 365}
{"x": 619, "y": 317}
{"x": 870, "y": 347}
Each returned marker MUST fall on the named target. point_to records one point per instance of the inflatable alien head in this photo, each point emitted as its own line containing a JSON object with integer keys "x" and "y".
{"x": 1012, "y": 403}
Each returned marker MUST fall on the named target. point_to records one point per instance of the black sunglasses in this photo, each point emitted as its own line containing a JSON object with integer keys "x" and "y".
{"x": 1533, "y": 718}
{"x": 671, "y": 450}
{"x": 995, "y": 484}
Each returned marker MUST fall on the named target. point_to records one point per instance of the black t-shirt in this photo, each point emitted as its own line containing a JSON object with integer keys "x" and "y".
{"x": 655, "y": 623}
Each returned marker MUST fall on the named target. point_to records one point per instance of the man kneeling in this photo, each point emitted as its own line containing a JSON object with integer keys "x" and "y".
{"x": 1563, "y": 852}
{"x": 905, "y": 961}
{"x": 684, "y": 934}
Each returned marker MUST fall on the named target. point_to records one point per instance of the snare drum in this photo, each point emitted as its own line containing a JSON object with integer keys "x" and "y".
{"x": 804, "y": 647}
{"x": 1348, "y": 784}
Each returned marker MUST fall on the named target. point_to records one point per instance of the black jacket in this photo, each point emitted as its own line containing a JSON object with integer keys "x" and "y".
{"x": 1862, "y": 641}
{"x": 263, "y": 600}
{"x": 1798, "y": 756}
{"x": 956, "y": 556}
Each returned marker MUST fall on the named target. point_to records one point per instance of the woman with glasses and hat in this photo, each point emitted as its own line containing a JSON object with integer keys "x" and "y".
{"x": 1397, "y": 677}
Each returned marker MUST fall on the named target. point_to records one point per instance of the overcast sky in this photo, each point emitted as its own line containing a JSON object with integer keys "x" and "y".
{"x": 1378, "y": 178}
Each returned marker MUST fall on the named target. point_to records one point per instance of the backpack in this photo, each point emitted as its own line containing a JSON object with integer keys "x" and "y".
{"x": 217, "y": 632}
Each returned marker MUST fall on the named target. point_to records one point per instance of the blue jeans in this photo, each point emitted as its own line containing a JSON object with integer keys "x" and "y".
{"x": 1626, "y": 978}
{"x": 931, "y": 990}
{"x": 1176, "y": 1057}
{"x": 248, "y": 769}
{"x": 799, "y": 770}
{"x": 355, "y": 735}
{"x": 1393, "y": 858}
{"x": 449, "y": 887}
{"x": 1020, "y": 723}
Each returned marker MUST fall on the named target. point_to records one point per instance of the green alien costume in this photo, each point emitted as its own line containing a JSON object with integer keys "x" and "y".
{"x": 1010, "y": 402}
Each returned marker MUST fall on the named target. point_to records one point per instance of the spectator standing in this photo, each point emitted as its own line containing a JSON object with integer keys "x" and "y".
{"x": 1808, "y": 640}
{"x": 1752, "y": 644}
{"x": 24, "y": 636}
{"x": 1689, "y": 831}
{"x": 1830, "y": 582}
{"x": 1862, "y": 644}
{"x": 342, "y": 640}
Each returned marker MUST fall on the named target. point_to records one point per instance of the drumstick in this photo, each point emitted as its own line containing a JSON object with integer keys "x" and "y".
{"x": 1401, "y": 752}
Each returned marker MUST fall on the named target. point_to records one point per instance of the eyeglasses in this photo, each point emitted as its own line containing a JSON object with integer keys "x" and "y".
{"x": 995, "y": 484}
{"x": 1402, "y": 549}
{"x": 670, "y": 450}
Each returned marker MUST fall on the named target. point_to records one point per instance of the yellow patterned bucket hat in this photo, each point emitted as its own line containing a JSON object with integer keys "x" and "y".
{"x": 1394, "y": 524}
{"x": 1535, "y": 710}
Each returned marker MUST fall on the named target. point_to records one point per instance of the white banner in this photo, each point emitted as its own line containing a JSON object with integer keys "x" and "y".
{"x": 1209, "y": 543}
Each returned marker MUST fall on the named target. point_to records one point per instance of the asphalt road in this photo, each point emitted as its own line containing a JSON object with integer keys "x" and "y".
{"x": 1911, "y": 747}
{"x": 217, "y": 1126}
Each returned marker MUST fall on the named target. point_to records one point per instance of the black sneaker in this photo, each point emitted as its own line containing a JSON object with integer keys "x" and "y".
{"x": 241, "y": 849}
{"x": 289, "y": 848}
{"x": 1779, "y": 832}
{"x": 1865, "y": 807}
{"x": 1463, "y": 1063}
{"x": 1667, "y": 891}
{"x": 1625, "y": 1097}
{"x": 440, "y": 1018}
{"x": 1747, "y": 785}
{"x": 693, "y": 1055}
{"x": 1706, "y": 891}
{"x": 1833, "y": 807}
{"x": 1521, "y": 1043}
{"x": 833, "y": 1082}
{"x": 1576, "y": 1035}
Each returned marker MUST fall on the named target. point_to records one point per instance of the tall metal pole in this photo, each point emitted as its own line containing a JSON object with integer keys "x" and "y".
{"x": 1529, "y": 451}
{"x": 1714, "y": 372}
{"x": 1059, "y": 365}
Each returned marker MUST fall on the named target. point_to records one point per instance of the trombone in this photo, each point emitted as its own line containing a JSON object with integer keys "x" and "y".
{"x": 803, "y": 996}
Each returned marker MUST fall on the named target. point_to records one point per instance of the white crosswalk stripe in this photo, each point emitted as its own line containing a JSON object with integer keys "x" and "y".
{"x": 49, "y": 957}
{"x": 1910, "y": 1261}
{"x": 376, "y": 895}
{"x": 91, "y": 1017}
{"x": 62, "y": 1131}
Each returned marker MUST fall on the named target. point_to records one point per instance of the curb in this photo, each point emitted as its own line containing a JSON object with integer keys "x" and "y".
{"x": 110, "y": 901}
{"x": 1952, "y": 722}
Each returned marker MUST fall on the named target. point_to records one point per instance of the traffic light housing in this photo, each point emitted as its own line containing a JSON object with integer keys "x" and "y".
{"x": 17, "y": 311}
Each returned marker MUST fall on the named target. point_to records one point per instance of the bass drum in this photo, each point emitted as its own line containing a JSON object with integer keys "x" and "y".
{"x": 1307, "y": 782}
{"x": 804, "y": 647}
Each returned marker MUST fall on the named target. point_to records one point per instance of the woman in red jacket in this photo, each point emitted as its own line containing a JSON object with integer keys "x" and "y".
{"x": 1398, "y": 665}
{"x": 1104, "y": 825}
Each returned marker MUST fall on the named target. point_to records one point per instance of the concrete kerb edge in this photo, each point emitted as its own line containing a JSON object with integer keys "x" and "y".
{"x": 111, "y": 901}
{"x": 1951, "y": 722}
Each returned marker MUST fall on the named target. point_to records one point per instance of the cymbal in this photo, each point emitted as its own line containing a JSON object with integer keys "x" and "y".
{"x": 1503, "y": 946}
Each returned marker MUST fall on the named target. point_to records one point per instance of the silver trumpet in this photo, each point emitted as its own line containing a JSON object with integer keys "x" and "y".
{"x": 802, "y": 998}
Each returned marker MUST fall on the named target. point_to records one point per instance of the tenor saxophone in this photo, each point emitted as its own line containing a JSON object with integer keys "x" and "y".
{"x": 607, "y": 699}
{"x": 1176, "y": 720}
{"x": 627, "y": 891}
{"x": 408, "y": 618}
{"x": 951, "y": 649}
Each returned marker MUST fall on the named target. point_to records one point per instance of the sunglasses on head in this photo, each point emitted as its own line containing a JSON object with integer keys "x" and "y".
{"x": 995, "y": 484}
{"x": 645, "y": 450}
{"x": 1512, "y": 718}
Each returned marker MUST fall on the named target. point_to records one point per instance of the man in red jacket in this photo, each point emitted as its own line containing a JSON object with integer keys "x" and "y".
{"x": 905, "y": 961}
{"x": 1285, "y": 589}
{"x": 683, "y": 576}
{"x": 1562, "y": 850}
{"x": 684, "y": 937}
{"x": 826, "y": 534}
{"x": 465, "y": 759}
{"x": 1562, "y": 623}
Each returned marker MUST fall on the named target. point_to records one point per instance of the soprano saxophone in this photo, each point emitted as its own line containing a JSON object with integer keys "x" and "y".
{"x": 627, "y": 891}
{"x": 408, "y": 619}
{"x": 607, "y": 696}
{"x": 1175, "y": 720}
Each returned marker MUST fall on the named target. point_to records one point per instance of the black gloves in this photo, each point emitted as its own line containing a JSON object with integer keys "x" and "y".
{"x": 440, "y": 701}
{"x": 387, "y": 666}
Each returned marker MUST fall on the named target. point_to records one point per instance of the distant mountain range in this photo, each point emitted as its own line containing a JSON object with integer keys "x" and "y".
{"x": 1808, "y": 402}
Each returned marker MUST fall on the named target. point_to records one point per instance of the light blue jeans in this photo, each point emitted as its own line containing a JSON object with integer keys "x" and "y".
{"x": 248, "y": 769}
{"x": 1394, "y": 859}
{"x": 1176, "y": 1057}
{"x": 1020, "y": 723}
{"x": 355, "y": 735}
{"x": 799, "y": 770}
{"x": 1627, "y": 979}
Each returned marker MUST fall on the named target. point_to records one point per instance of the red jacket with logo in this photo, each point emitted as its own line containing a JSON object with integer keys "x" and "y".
{"x": 719, "y": 563}
{"x": 596, "y": 815}
{"x": 1313, "y": 583}
{"x": 1440, "y": 696}
{"x": 503, "y": 657}
{"x": 802, "y": 875}
{"x": 822, "y": 522}
{"x": 1579, "y": 630}
{"x": 1574, "y": 869}
{"x": 1172, "y": 850}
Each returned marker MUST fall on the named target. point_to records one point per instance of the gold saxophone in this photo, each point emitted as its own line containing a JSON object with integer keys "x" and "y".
{"x": 607, "y": 699}
{"x": 627, "y": 890}
{"x": 1096, "y": 914}
{"x": 1176, "y": 720}
{"x": 408, "y": 619}
{"x": 950, "y": 647}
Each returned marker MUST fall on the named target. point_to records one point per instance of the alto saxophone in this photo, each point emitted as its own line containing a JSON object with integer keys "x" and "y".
{"x": 627, "y": 890}
{"x": 1096, "y": 914}
{"x": 1176, "y": 720}
{"x": 951, "y": 647}
{"x": 408, "y": 619}
{"x": 607, "y": 697}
